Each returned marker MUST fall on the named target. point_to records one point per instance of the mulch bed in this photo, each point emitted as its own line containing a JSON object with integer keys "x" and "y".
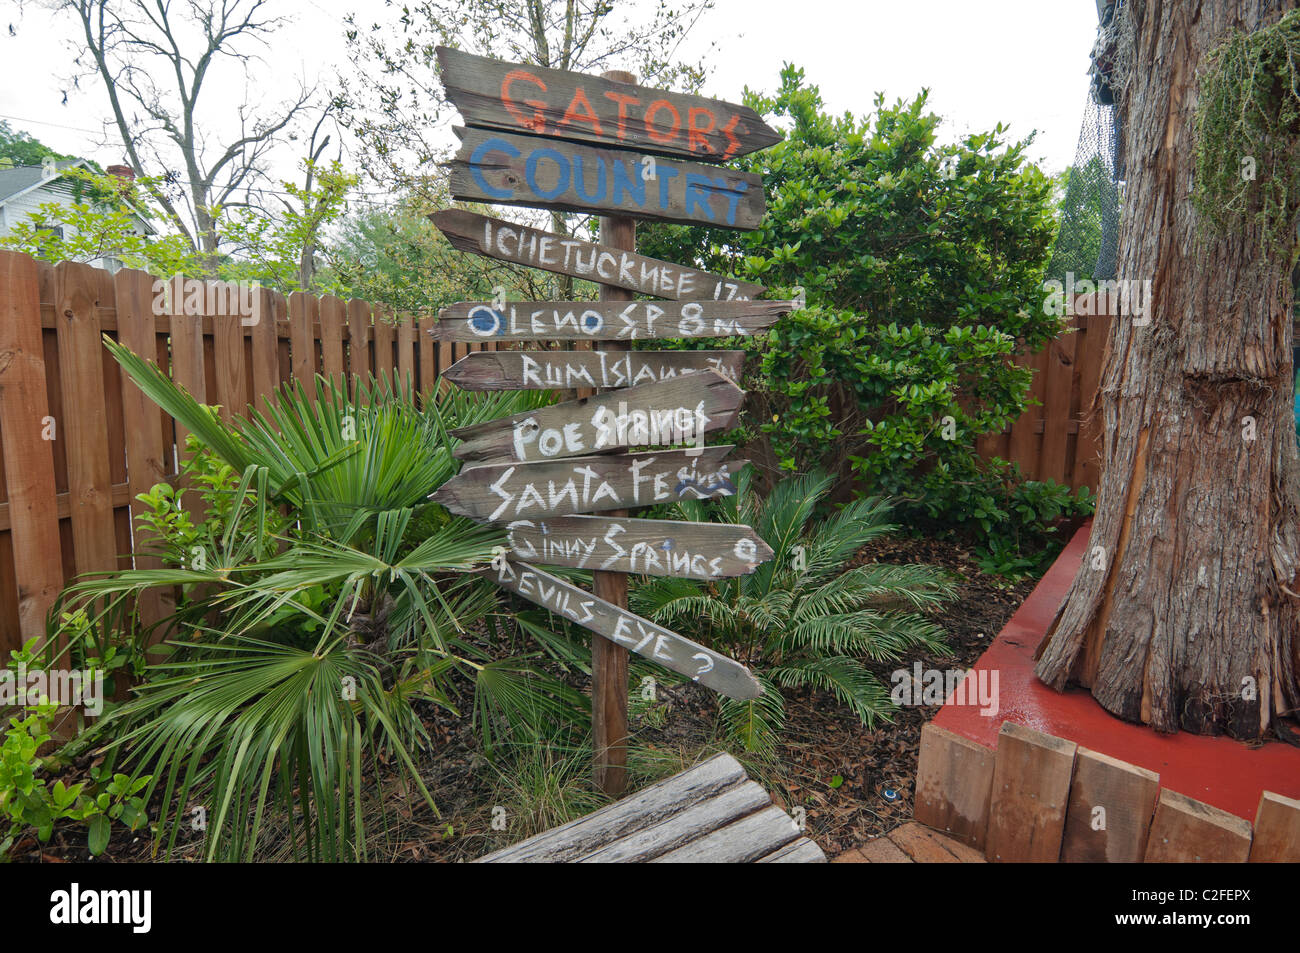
{"x": 853, "y": 783}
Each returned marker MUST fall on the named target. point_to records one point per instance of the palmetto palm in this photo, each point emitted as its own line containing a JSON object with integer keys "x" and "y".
{"x": 803, "y": 619}
{"x": 296, "y": 657}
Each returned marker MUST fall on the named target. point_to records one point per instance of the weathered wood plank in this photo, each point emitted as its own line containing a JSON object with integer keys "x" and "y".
{"x": 506, "y": 169}
{"x": 954, "y": 777}
{"x": 265, "y": 367}
{"x": 304, "y": 318}
{"x": 1109, "y": 817}
{"x": 677, "y": 548}
{"x": 648, "y": 807}
{"x": 606, "y": 320}
{"x": 565, "y": 370}
{"x": 521, "y": 245}
{"x": 567, "y": 105}
{"x": 699, "y": 819}
{"x": 801, "y": 851}
{"x": 1185, "y": 830}
{"x": 502, "y": 492}
{"x": 672, "y": 413}
{"x": 741, "y": 842}
{"x": 228, "y": 353}
{"x": 1031, "y": 789}
{"x": 333, "y": 314}
{"x": 28, "y": 456}
{"x": 663, "y": 646}
{"x": 1277, "y": 830}
{"x": 188, "y": 359}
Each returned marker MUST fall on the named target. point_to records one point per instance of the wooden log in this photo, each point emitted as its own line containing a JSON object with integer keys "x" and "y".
{"x": 1109, "y": 817}
{"x": 740, "y": 842}
{"x": 606, "y": 320}
{"x": 647, "y": 808}
{"x": 1031, "y": 789}
{"x": 954, "y": 778}
{"x": 589, "y": 484}
{"x": 521, "y": 245}
{"x": 701, "y": 818}
{"x": 663, "y": 646}
{"x": 677, "y": 548}
{"x": 801, "y": 851}
{"x": 85, "y": 420}
{"x": 507, "y": 169}
{"x": 557, "y": 103}
{"x": 676, "y": 412}
{"x": 1277, "y": 830}
{"x": 563, "y": 370}
{"x": 28, "y": 456}
{"x": 1185, "y": 830}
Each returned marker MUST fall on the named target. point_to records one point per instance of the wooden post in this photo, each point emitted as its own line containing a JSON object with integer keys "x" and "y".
{"x": 609, "y": 661}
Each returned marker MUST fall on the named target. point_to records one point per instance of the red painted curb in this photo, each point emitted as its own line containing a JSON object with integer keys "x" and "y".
{"x": 1217, "y": 770}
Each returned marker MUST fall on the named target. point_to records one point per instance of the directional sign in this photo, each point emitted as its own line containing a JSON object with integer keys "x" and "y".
{"x": 507, "y": 169}
{"x": 521, "y": 245}
{"x": 561, "y": 104}
{"x": 502, "y": 492}
{"x": 681, "y": 549}
{"x": 605, "y": 320}
{"x": 672, "y": 651}
{"x": 565, "y": 370}
{"x": 672, "y": 413}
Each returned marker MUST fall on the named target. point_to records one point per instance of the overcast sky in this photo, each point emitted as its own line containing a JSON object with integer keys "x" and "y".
{"x": 1020, "y": 62}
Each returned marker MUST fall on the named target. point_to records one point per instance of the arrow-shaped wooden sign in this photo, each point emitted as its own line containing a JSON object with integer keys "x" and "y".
{"x": 677, "y": 548}
{"x": 673, "y": 413}
{"x": 605, "y": 320}
{"x": 557, "y": 103}
{"x": 672, "y": 651}
{"x": 507, "y": 169}
{"x": 521, "y": 245}
{"x": 502, "y": 492}
{"x": 563, "y": 370}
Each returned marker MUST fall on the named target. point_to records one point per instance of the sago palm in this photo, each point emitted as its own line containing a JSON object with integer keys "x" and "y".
{"x": 804, "y": 618}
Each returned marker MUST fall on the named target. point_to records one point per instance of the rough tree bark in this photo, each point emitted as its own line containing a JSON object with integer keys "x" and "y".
{"x": 1185, "y": 612}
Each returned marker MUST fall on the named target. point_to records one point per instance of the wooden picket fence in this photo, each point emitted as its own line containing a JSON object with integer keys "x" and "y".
{"x": 1060, "y": 438}
{"x": 80, "y": 441}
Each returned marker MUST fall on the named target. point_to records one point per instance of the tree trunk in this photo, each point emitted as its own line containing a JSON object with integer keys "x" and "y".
{"x": 1184, "y": 613}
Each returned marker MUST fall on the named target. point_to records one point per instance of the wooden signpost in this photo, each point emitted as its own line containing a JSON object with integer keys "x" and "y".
{"x": 561, "y": 255}
{"x": 565, "y": 370}
{"x": 605, "y": 320}
{"x": 671, "y": 413}
{"x": 502, "y": 492}
{"x": 550, "y": 139}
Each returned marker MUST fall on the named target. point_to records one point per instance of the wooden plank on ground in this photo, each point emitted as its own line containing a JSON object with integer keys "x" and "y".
{"x": 479, "y": 321}
{"x": 521, "y": 245}
{"x": 801, "y": 851}
{"x": 677, "y": 548}
{"x": 85, "y": 422}
{"x": 514, "y": 97}
{"x": 1109, "y": 817}
{"x": 28, "y": 455}
{"x": 676, "y": 412}
{"x": 954, "y": 778}
{"x": 925, "y": 846}
{"x": 1031, "y": 790}
{"x": 1057, "y": 386}
{"x": 741, "y": 842}
{"x": 1277, "y": 830}
{"x": 1185, "y": 830}
{"x": 144, "y": 439}
{"x": 622, "y": 627}
{"x": 502, "y": 492}
{"x": 507, "y": 169}
{"x": 646, "y": 808}
{"x": 564, "y": 370}
{"x": 701, "y": 818}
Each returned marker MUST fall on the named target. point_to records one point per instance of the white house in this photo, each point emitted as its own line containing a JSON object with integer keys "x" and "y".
{"x": 25, "y": 188}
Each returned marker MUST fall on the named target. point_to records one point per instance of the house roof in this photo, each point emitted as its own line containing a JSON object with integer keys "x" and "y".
{"x": 22, "y": 179}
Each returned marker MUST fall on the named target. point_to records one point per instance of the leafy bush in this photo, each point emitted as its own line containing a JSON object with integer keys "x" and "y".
{"x": 803, "y": 620}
